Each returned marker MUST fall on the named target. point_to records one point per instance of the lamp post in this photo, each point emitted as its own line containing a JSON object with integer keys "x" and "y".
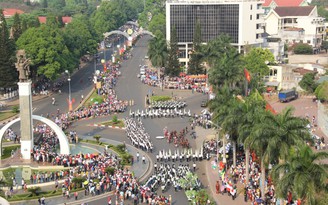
{"x": 103, "y": 61}
{"x": 223, "y": 142}
{"x": 69, "y": 91}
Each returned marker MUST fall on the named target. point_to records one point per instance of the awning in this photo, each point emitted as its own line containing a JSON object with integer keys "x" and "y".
{"x": 274, "y": 83}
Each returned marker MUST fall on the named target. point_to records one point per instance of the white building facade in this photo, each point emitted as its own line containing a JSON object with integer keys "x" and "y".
{"x": 242, "y": 20}
{"x": 296, "y": 25}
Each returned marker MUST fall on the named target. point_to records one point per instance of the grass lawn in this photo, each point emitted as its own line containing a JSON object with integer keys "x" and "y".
{"x": 119, "y": 123}
{"x": 94, "y": 97}
{"x": 7, "y": 151}
{"x": 6, "y": 115}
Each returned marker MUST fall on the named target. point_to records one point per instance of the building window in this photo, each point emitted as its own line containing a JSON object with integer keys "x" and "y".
{"x": 250, "y": 17}
{"x": 257, "y": 26}
{"x": 257, "y": 36}
{"x": 251, "y": 7}
{"x": 259, "y": 6}
{"x": 308, "y": 41}
{"x": 214, "y": 20}
{"x": 257, "y": 16}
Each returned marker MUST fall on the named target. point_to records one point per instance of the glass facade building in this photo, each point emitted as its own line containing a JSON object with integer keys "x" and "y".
{"x": 214, "y": 20}
{"x": 242, "y": 20}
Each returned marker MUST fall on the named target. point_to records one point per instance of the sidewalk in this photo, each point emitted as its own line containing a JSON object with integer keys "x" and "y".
{"x": 209, "y": 176}
{"x": 141, "y": 171}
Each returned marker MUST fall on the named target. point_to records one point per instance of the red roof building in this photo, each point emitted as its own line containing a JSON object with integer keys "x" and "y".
{"x": 267, "y": 3}
{"x": 272, "y": 4}
{"x": 8, "y": 13}
{"x": 66, "y": 19}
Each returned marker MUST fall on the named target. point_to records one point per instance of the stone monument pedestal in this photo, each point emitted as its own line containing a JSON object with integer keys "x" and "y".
{"x": 26, "y": 125}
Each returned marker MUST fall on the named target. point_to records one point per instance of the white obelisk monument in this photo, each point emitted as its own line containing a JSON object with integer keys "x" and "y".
{"x": 25, "y": 104}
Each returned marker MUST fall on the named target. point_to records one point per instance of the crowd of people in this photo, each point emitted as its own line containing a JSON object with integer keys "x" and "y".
{"x": 196, "y": 83}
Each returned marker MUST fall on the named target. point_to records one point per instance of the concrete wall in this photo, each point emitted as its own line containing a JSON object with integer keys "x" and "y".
{"x": 322, "y": 59}
{"x": 323, "y": 118}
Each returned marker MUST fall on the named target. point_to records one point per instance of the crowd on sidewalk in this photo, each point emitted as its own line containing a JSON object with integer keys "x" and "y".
{"x": 196, "y": 83}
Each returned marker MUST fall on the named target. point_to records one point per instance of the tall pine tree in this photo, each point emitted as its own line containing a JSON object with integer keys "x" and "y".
{"x": 16, "y": 27}
{"x": 173, "y": 66}
{"x": 195, "y": 63}
{"x": 8, "y": 73}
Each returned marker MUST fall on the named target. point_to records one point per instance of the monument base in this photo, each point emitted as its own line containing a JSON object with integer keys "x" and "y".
{"x": 26, "y": 147}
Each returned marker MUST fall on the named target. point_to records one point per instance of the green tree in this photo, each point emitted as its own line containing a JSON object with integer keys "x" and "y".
{"x": 173, "y": 67}
{"x": 249, "y": 110}
{"x": 324, "y": 45}
{"x": 273, "y": 135}
{"x": 302, "y": 173}
{"x": 195, "y": 62}
{"x": 157, "y": 23}
{"x": 16, "y": 27}
{"x": 44, "y": 3}
{"x": 157, "y": 50}
{"x": 321, "y": 92}
{"x": 97, "y": 138}
{"x": 46, "y": 47}
{"x": 212, "y": 52}
{"x": 80, "y": 37}
{"x": 308, "y": 82}
{"x": 302, "y": 48}
{"x": 257, "y": 60}
{"x": 226, "y": 70}
{"x": 8, "y": 73}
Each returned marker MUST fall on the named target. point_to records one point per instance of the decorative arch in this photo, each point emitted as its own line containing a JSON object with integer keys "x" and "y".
{"x": 63, "y": 142}
{"x": 132, "y": 23}
{"x": 134, "y": 35}
{"x": 116, "y": 32}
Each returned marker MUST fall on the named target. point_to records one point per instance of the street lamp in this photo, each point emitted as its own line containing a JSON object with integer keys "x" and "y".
{"x": 223, "y": 142}
{"x": 103, "y": 61}
{"x": 69, "y": 91}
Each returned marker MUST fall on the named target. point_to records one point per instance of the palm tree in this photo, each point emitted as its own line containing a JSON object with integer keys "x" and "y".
{"x": 227, "y": 70}
{"x": 249, "y": 113}
{"x": 157, "y": 51}
{"x": 303, "y": 174}
{"x": 273, "y": 135}
{"x": 230, "y": 124}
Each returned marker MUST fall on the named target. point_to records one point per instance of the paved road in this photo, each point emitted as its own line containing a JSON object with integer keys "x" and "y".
{"x": 128, "y": 87}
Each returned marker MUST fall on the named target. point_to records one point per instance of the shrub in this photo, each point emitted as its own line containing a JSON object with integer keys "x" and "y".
{"x": 110, "y": 170}
{"x": 115, "y": 120}
{"x": 34, "y": 190}
{"x": 78, "y": 181}
{"x": 160, "y": 98}
{"x": 15, "y": 109}
{"x": 97, "y": 138}
{"x": 302, "y": 48}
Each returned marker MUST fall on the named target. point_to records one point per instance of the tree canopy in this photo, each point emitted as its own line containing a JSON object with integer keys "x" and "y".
{"x": 308, "y": 82}
{"x": 46, "y": 47}
{"x": 8, "y": 73}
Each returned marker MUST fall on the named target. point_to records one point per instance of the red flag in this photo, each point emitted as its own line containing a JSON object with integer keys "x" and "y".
{"x": 270, "y": 108}
{"x": 247, "y": 75}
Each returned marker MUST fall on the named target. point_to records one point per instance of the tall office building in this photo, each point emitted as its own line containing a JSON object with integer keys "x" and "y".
{"x": 242, "y": 20}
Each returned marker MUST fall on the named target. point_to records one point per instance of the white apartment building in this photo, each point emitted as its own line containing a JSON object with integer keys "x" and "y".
{"x": 242, "y": 20}
{"x": 296, "y": 25}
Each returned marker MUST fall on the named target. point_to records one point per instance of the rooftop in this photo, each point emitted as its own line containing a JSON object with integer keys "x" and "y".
{"x": 66, "y": 19}
{"x": 283, "y": 2}
{"x": 11, "y": 12}
{"x": 294, "y": 11}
